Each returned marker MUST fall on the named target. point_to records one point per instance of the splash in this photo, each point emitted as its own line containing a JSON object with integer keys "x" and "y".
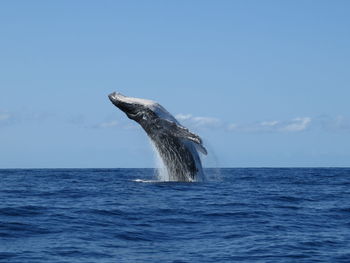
{"x": 212, "y": 165}
{"x": 169, "y": 169}
{"x": 161, "y": 170}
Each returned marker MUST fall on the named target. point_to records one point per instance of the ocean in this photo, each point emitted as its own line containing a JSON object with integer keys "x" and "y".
{"x": 125, "y": 215}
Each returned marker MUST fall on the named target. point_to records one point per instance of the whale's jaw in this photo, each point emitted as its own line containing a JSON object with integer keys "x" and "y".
{"x": 128, "y": 105}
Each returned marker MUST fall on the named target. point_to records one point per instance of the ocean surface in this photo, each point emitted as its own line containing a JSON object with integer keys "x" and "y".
{"x": 124, "y": 215}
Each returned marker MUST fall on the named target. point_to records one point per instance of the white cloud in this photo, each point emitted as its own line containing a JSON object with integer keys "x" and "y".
{"x": 233, "y": 127}
{"x": 114, "y": 123}
{"x": 183, "y": 117}
{"x": 339, "y": 123}
{"x": 342, "y": 123}
{"x": 294, "y": 125}
{"x": 24, "y": 116}
{"x": 297, "y": 124}
{"x": 4, "y": 116}
{"x": 198, "y": 122}
{"x": 269, "y": 123}
{"x": 107, "y": 124}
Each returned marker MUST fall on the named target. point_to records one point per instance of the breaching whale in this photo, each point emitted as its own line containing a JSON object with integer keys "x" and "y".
{"x": 176, "y": 145}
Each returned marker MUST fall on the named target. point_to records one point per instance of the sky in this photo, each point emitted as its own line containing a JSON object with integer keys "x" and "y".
{"x": 264, "y": 83}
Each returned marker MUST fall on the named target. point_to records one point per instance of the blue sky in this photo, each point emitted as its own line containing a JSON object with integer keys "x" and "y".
{"x": 264, "y": 83}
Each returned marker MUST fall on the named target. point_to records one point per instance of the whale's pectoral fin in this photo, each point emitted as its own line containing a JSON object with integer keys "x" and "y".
{"x": 178, "y": 130}
{"x": 201, "y": 148}
{"x": 182, "y": 132}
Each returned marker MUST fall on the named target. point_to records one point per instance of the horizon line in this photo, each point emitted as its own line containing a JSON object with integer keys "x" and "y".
{"x": 226, "y": 167}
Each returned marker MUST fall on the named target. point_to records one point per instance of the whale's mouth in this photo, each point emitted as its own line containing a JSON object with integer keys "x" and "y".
{"x": 117, "y": 98}
{"x": 121, "y": 102}
{"x": 112, "y": 95}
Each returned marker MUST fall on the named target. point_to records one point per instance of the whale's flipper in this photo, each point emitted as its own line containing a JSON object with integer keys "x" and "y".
{"x": 181, "y": 132}
{"x": 201, "y": 148}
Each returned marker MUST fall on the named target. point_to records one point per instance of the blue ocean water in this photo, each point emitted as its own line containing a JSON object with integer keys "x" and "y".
{"x": 240, "y": 215}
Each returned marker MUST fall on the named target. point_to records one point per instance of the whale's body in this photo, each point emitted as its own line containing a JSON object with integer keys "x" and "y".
{"x": 177, "y": 146}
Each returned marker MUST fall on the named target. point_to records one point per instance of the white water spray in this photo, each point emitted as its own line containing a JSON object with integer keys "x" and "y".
{"x": 161, "y": 170}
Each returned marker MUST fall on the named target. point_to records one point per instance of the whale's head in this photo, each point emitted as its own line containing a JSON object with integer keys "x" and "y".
{"x": 134, "y": 108}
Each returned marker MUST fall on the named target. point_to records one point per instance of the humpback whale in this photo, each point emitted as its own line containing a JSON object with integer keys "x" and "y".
{"x": 176, "y": 145}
